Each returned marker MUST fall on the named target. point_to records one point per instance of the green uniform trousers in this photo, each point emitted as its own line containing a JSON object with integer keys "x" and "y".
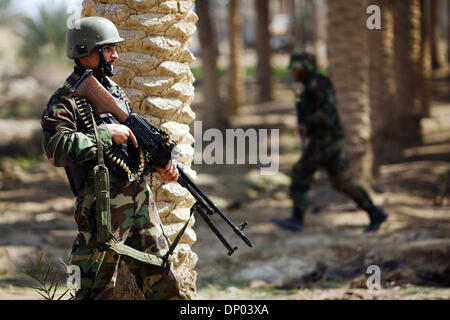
{"x": 329, "y": 157}
{"x": 135, "y": 222}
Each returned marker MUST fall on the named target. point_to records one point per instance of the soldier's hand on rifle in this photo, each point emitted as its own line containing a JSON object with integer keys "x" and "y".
{"x": 169, "y": 173}
{"x": 120, "y": 134}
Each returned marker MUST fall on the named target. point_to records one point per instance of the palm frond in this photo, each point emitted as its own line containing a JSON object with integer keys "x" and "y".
{"x": 46, "y": 30}
{"x": 43, "y": 273}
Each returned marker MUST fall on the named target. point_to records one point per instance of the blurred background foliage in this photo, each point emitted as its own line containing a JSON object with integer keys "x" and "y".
{"x": 44, "y": 36}
{"x": 7, "y": 14}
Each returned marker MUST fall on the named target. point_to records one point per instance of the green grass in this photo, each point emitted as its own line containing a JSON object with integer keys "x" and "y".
{"x": 18, "y": 109}
{"x": 249, "y": 72}
{"x": 334, "y": 283}
{"x": 279, "y": 72}
{"x": 26, "y": 162}
{"x": 3, "y": 274}
{"x": 198, "y": 73}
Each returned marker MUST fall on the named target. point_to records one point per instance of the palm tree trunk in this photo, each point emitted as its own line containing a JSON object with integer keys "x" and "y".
{"x": 210, "y": 82}
{"x": 348, "y": 58}
{"x": 320, "y": 33}
{"x": 407, "y": 44}
{"x": 433, "y": 16}
{"x": 297, "y": 26}
{"x": 448, "y": 32}
{"x": 426, "y": 59}
{"x": 382, "y": 84}
{"x": 263, "y": 69}
{"x": 236, "y": 79}
{"x": 154, "y": 70}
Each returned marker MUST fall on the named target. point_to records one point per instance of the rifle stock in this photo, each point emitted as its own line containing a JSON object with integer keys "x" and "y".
{"x": 101, "y": 100}
{"x": 160, "y": 148}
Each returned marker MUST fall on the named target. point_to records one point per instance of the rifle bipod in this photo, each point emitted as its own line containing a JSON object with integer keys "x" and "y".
{"x": 205, "y": 206}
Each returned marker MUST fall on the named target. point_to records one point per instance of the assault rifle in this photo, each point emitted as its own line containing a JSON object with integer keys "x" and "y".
{"x": 160, "y": 147}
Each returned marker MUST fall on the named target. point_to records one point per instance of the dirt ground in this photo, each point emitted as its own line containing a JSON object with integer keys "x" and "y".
{"x": 328, "y": 260}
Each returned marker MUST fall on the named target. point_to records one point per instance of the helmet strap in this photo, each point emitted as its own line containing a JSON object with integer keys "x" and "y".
{"x": 104, "y": 67}
{"x": 79, "y": 68}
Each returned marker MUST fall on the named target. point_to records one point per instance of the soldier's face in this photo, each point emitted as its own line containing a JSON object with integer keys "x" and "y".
{"x": 299, "y": 74}
{"x": 110, "y": 53}
{"x": 92, "y": 61}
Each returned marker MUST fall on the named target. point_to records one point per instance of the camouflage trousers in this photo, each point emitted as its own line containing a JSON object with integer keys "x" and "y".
{"x": 135, "y": 222}
{"x": 318, "y": 156}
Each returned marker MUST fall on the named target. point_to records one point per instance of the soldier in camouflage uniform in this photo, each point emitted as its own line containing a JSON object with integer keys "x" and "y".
{"x": 318, "y": 120}
{"x": 69, "y": 142}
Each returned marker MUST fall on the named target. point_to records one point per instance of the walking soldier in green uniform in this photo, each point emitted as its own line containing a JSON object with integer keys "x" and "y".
{"x": 318, "y": 120}
{"x": 77, "y": 140}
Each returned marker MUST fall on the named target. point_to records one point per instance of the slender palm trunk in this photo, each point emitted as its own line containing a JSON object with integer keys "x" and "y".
{"x": 426, "y": 59}
{"x": 433, "y": 15}
{"x": 210, "y": 82}
{"x": 320, "y": 33}
{"x": 448, "y": 32}
{"x": 263, "y": 69}
{"x": 407, "y": 44}
{"x": 154, "y": 70}
{"x": 382, "y": 84}
{"x": 297, "y": 26}
{"x": 236, "y": 79}
{"x": 348, "y": 58}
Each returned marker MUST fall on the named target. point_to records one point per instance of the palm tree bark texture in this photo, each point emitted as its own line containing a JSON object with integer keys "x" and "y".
{"x": 210, "y": 82}
{"x": 426, "y": 58}
{"x": 236, "y": 80}
{"x": 382, "y": 83}
{"x": 408, "y": 72}
{"x": 264, "y": 75}
{"x": 154, "y": 70}
{"x": 348, "y": 58}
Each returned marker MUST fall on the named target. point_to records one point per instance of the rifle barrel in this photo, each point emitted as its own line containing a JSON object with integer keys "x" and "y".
{"x": 210, "y": 207}
{"x": 198, "y": 207}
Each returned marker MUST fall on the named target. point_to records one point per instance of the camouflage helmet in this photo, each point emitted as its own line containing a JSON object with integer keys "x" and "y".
{"x": 303, "y": 61}
{"x": 87, "y": 34}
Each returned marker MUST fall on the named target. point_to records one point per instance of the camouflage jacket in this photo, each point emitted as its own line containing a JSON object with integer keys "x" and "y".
{"x": 316, "y": 108}
{"x": 68, "y": 142}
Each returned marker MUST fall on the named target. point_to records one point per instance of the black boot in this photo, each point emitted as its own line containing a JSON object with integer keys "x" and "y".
{"x": 294, "y": 224}
{"x": 377, "y": 216}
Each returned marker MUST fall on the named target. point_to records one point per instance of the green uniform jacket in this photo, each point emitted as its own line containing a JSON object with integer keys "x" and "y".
{"x": 316, "y": 108}
{"x": 67, "y": 141}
